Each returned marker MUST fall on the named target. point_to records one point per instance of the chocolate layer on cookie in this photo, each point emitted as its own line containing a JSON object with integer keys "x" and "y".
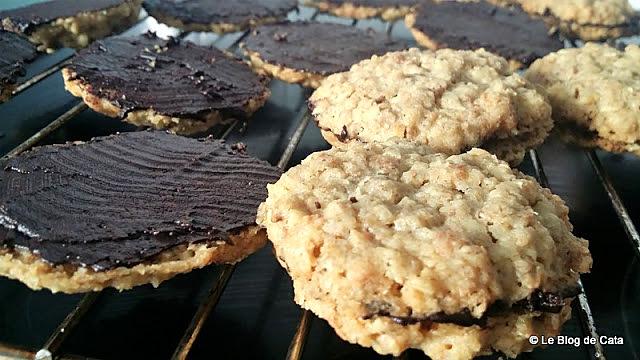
{"x": 227, "y": 15}
{"x": 508, "y": 32}
{"x": 120, "y": 200}
{"x": 318, "y": 48}
{"x": 539, "y": 301}
{"x": 14, "y": 52}
{"x": 168, "y": 77}
{"x": 70, "y": 23}
{"x": 25, "y": 19}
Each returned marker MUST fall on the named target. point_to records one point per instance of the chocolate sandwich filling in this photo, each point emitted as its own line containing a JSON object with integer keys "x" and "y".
{"x": 319, "y": 48}
{"x": 123, "y": 199}
{"x": 538, "y": 301}
{"x": 26, "y": 19}
{"x": 173, "y": 78}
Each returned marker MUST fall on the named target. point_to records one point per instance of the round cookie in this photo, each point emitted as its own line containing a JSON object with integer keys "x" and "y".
{"x": 218, "y": 16}
{"x": 595, "y": 94}
{"x": 70, "y": 23}
{"x": 585, "y": 19}
{"x": 164, "y": 84}
{"x": 450, "y": 100}
{"x": 127, "y": 209}
{"x": 306, "y": 52}
{"x": 15, "y": 51}
{"x": 508, "y": 32}
{"x": 398, "y": 247}
{"x": 388, "y": 10}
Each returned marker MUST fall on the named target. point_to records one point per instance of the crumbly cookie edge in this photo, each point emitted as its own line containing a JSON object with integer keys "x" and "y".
{"x": 37, "y": 274}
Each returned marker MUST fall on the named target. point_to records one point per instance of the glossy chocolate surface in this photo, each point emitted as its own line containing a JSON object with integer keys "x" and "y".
{"x": 120, "y": 200}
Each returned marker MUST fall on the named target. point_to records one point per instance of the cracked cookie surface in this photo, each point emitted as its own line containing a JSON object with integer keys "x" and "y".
{"x": 450, "y": 100}
{"x": 595, "y": 93}
{"x": 394, "y": 245}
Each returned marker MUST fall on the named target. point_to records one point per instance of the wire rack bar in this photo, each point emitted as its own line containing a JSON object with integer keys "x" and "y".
{"x": 586, "y": 316}
{"x": 616, "y": 201}
{"x": 299, "y": 339}
{"x": 205, "y": 308}
{"x": 47, "y": 130}
{"x": 60, "y": 334}
{"x": 41, "y": 76}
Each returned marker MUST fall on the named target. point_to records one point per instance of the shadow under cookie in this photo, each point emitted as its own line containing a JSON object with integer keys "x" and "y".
{"x": 218, "y": 16}
{"x": 76, "y": 23}
{"x": 590, "y": 139}
{"x": 306, "y": 52}
{"x": 128, "y": 209}
{"x": 165, "y": 84}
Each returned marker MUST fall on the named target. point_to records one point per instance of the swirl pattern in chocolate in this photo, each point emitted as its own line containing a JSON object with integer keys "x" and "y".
{"x": 319, "y": 48}
{"x": 171, "y": 77}
{"x": 25, "y": 19}
{"x": 508, "y": 32}
{"x": 122, "y": 199}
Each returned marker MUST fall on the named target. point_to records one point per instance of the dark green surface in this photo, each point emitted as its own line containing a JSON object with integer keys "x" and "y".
{"x": 256, "y": 317}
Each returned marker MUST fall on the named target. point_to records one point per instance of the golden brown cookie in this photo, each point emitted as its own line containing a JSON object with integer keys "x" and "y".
{"x": 449, "y": 100}
{"x": 398, "y": 247}
{"x": 584, "y": 19}
{"x": 219, "y": 16}
{"x": 164, "y": 84}
{"x": 127, "y": 210}
{"x": 388, "y": 10}
{"x": 306, "y": 52}
{"x": 70, "y": 23}
{"x": 506, "y": 31}
{"x": 595, "y": 94}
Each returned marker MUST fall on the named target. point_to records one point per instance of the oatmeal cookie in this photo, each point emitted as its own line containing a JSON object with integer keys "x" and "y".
{"x": 595, "y": 94}
{"x": 164, "y": 84}
{"x": 508, "y": 32}
{"x": 306, "y": 52}
{"x": 388, "y": 10}
{"x": 450, "y": 100}
{"x": 218, "y": 16}
{"x": 127, "y": 209}
{"x": 585, "y": 19}
{"x": 398, "y": 247}
{"x": 70, "y": 23}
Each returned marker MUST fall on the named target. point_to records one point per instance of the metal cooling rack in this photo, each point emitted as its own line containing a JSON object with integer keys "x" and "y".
{"x": 51, "y": 349}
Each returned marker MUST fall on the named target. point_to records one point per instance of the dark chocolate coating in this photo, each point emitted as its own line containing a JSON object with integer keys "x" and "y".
{"x": 14, "y": 52}
{"x": 538, "y": 301}
{"x": 508, "y": 32}
{"x": 25, "y": 19}
{"x": 318, "y": 48}
{"x": 374, "y": 3}
{"x": 121, "y": 199}
{"x": 173, "y": 78}
{"x": 207, "y": 12}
